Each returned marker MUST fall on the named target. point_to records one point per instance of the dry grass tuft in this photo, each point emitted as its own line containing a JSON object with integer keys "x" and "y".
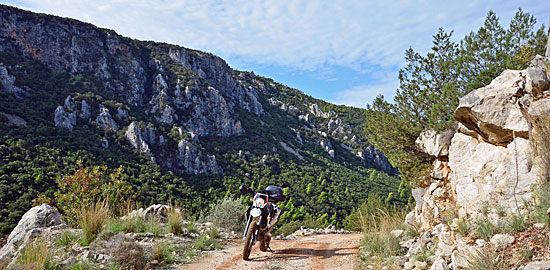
{"x": 92, "y": 218}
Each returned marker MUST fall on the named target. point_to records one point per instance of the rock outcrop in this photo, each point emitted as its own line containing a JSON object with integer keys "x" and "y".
{"x": 105, "y": 120}
{"x": 477, "y": 165}
{"x": 30, "y": 226}
{"x": 190, "y": 160}
{"x": 7, "y": 83}
{"x": 134, "y": 136}
{"x": 65, "y": 116}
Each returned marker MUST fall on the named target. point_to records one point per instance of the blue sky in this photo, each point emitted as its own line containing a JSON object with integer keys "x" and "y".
{"x": 345, "y": 52}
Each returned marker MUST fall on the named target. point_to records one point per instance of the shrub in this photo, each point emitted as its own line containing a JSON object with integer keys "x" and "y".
{"x": 487, "y": 260}
{"x": 87, "y": 186}
{"x": 126, "y": 253}
{"x": 228, "y": 213}
{"x": 377, "y": 225}
{"x": 162, "y": 252}
{"x": 463, "y": 227}
{"x": 205, "y": 242}
{"x": 92, "y": 218}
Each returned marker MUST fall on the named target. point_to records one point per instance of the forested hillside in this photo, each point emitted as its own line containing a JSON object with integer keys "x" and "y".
{"x": 182, "y": 125}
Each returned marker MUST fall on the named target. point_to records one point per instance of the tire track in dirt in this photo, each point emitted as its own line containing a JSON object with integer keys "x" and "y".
{"x": 319, "y": 252}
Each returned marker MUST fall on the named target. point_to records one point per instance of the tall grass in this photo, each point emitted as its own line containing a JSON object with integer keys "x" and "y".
{"x": 541, "y": 146}
{"x": 92, "y": 218}
{"x": 35, "y": 256}
{"x": 377, "y": 221}
{"x": 175, "y": 220}
{"x": 487, "y": 260}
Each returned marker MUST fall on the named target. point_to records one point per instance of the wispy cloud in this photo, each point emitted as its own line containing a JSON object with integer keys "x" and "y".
{"x": 307, "y": 36}
{"x": 299, "y": 34}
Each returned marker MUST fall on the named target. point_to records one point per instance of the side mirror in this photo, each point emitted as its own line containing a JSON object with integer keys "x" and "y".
{"x": 285, "y": 185}
{"x": 245, "y": 190}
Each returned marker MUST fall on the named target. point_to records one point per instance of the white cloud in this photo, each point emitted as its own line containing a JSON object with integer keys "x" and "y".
{"x": 299, "y": 34}
{"x": 361, "y": 95}
{"x": 369, "y": 36}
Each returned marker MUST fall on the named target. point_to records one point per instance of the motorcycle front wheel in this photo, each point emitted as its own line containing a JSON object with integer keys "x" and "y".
{"x": 247, "y": 245}
{"x": 265, "y": 243}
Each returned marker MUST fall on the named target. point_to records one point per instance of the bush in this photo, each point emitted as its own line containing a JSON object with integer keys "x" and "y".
{"x": 205, "y": 242}
{"x": 488, "y": 260}
{"x": 126, "y": 253}
{"x": 516, "y": 223}
{"x": 162, "y": 252}
{"x": 92, "y": 218}
{"x": 287, "y": 228}
{"x": 87, "y": 186}
{"x": 228, "y": 213}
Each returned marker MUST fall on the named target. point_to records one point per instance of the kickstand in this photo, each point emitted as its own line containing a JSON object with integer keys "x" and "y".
{"x": 268, "y": 247}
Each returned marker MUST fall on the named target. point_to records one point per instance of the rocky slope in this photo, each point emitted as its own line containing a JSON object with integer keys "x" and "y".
{"x": 181, "y": 122}
{"x": 485, "y": 172}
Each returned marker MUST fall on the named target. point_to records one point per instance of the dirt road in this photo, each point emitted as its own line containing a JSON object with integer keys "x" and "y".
{"x": 317, "y": 252}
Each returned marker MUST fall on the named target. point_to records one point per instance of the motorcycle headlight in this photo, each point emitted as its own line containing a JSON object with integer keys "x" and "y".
{"x": 259, "y": 202}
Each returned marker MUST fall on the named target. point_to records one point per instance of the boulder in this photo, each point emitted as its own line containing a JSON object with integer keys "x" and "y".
{"x": 540, "y": 62}
{"x": 543, "y": 265}
{"x": 464, "y": 255}
{"x": 492, "y": 112}
{"x": 30, "y": 226}
{"x": 537, "y": 81}
{"x": 486, "y": 173}
{"x": 433, "y": 143}
{"x": 440, "y": 264}
{"x": 501, "y": 241}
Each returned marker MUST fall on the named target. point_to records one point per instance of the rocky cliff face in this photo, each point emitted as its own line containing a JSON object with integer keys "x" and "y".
{"x": 483, "y": 164}
{"x": 168, "y": 88}
{"x": 489, "y": 160}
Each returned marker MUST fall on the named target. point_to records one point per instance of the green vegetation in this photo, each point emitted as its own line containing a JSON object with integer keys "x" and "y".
{"x": 431, "y": 85}
{"x": 228, "y": 213}
{"x": 377, "y": 222}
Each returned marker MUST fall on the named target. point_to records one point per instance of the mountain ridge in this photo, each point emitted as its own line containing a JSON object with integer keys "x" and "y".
{"x": 181, "y": 122}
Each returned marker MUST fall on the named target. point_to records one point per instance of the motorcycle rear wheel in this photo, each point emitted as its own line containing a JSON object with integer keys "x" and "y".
{"x": 247, "y": 245}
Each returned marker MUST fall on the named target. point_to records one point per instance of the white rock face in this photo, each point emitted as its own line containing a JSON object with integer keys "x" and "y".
{"x": 492, "y": 111}
{"x": 317, "y": 112}
{"x": 105, "y": 120}
{"x": 30, "y": 226}
{"x": 135, "y": 137}
{"x": 433, "y": 143}
{"x": 64, "y": 118}
{"x": 189, "y": 158}
{"x": 7, "y": 83}
{"x": 482, "y": 172}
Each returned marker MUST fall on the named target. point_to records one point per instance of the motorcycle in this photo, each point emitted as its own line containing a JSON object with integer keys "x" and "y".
{"x": 261, "y": 216}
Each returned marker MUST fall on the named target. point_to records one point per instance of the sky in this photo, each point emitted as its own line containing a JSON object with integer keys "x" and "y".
{"x": 345, "y": 52}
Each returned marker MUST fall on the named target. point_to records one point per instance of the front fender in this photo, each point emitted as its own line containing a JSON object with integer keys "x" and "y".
{"x": 256, "y": 212}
